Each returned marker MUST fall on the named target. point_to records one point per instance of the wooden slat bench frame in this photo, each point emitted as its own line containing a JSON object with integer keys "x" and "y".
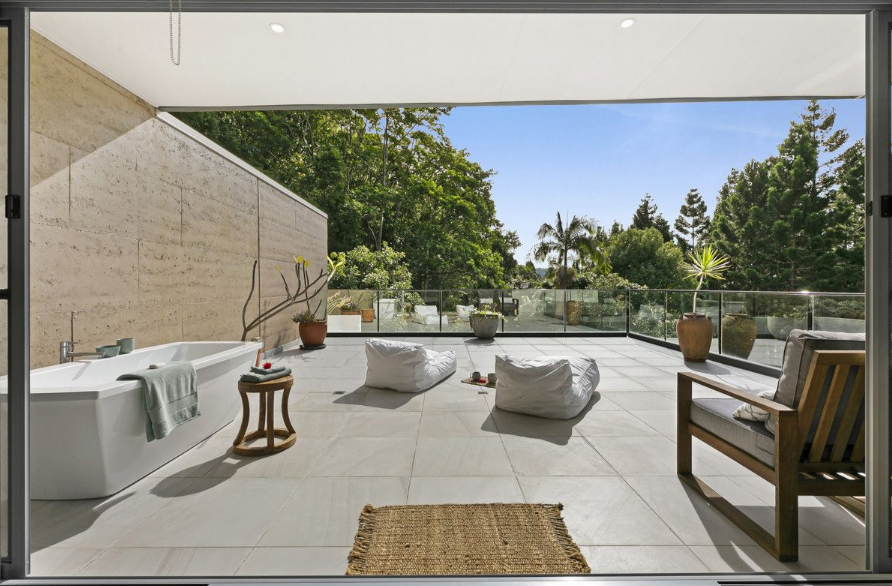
{"x": 792, "y": 474}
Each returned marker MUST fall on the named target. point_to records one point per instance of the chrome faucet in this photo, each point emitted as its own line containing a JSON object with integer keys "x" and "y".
{"x": 66, "y": 353}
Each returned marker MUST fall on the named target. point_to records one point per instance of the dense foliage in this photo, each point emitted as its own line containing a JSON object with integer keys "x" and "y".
{"x": 368, "y": 269}
{"x": 386, "y": 175}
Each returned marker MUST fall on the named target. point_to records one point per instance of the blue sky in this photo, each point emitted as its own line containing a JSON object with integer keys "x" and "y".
{"x": 600, "y": 160}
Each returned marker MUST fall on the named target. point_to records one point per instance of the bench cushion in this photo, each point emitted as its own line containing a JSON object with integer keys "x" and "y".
{"x": 798, "y": 352}
{"x": 716, "y": 415}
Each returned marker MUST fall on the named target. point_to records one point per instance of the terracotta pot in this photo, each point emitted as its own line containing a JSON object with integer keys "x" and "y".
{"x": 349, "y": 312}
{"x": 312, "y": 333}
{"x": 485, "y": 326}
{"x": 368, "y": 315}
{"x": 573, "y": 313}
{"x": 738, "y": 334}
{"x": 694, "y": 336}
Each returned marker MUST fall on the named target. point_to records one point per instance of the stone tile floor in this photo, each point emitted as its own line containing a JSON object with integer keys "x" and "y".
{"x": 210, "y": 512}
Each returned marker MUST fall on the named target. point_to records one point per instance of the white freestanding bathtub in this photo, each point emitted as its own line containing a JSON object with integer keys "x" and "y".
{"x": 88, "y": 431}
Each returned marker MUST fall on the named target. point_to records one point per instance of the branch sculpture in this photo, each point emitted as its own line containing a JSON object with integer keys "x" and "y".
{"x": 305, "y": 292}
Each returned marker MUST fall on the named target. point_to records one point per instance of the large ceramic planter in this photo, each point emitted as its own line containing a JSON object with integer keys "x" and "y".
{"x": 780, "y": 327}
{"x": 312, "y": 333}
{"x": 738, "y": 334}
{"x": 694, "y": 336}
{"x": 574, "y": 313}
{"x": 485, "y": 326}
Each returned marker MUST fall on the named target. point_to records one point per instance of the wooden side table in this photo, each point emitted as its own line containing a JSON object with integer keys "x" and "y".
{"x": 265, "y": 424}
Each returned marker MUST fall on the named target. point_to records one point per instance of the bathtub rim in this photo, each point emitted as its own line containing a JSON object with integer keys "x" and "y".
{"x": 113, "y": 387}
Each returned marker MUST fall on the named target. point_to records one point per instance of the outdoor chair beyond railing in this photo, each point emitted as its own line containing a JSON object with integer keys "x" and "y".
{"x": 817, "y": 448}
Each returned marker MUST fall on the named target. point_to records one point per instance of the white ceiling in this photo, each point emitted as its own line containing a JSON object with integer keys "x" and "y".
{"x": 235, "y": 60}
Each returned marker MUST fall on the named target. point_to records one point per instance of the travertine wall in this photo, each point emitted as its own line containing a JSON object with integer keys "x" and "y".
{"x": 138, "y": 228}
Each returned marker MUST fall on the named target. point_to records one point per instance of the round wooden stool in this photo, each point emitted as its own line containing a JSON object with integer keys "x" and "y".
{"x": 265, "y": 425}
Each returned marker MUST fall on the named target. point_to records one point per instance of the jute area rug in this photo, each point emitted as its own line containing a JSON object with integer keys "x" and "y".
{"x": 488, "y": 539}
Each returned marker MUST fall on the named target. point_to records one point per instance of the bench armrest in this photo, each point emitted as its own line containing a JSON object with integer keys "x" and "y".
{"x": 770, "y": 406}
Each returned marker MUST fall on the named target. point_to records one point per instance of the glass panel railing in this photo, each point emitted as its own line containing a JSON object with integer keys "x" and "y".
{"x": 838, "y": 313}
{"x": 647, "y": 313}
{"x": 537, "y": 311}
{"x": 750, "y": 325}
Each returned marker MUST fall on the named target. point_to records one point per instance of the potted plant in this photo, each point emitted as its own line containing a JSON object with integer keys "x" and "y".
{"x": 348, "y": 307}
{"x": 306, "y": 290}
{"x": 312, "y": 330}
{"x": 695, "y": 329}
{"x": 485, "y": 323}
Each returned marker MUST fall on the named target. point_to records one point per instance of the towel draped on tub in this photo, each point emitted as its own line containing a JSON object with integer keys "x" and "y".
{"x": 171, "y": 397}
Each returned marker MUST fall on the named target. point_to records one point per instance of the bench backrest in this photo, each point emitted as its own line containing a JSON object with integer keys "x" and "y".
{"x": 831, "y": 408}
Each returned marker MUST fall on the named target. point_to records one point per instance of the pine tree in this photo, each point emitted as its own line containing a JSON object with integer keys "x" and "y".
{"x": 737, "y": 226}
{"x": 692, "y": 223}
{"x": 800, "y": 194}
{"x": 648, "y": 216}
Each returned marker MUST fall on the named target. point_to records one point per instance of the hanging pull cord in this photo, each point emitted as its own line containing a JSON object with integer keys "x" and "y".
{"x": 176, "y": 61}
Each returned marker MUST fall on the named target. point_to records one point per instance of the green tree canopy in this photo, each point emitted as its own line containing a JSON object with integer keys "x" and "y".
{"x": 558, "y": 242}
{"x": 692, "y": 223}
{"x": 387, "y": 175}
{"x": 368, "y": 269}
{"x": 643, "y": 257}
{"x": 648, "y": 216}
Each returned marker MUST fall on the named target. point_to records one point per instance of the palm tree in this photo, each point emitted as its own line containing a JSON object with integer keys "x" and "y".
{"x": 560, "y": 240}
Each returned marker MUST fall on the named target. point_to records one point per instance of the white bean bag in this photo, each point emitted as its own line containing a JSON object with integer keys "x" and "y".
{"x": 428, "y": 315}
{"x": 405, "y": 366}
{"x": 555, "y": 387}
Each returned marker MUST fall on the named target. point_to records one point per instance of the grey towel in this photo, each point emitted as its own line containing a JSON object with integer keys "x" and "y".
{"x": 254, "y": 377}
{"x": 171, "y": 397}
{"x": 257, "y": 370}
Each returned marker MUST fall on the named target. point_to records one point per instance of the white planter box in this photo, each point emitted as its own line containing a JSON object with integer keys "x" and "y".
{"x": 345, "y": 323}
{"x": 386, "y": 308}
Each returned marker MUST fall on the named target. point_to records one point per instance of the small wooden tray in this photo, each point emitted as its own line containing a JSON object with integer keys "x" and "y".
{"x": 479, "y": 383}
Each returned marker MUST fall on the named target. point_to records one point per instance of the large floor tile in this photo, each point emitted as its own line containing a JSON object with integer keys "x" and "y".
{"x": 642, "y": 559}
{"x": 325, "y": 511}
{"x": 612, "y": 424}
{"x": 102, "y": 522}
{"x": 434, "y": 490}
{"x": 517, "y": 424}
{"x": 560, "y": 457}
{"x": 638, "y": 456}
{"x": 167, "y": 561}
{"x": 457, "y": 424}
{"x": 461, "y": 456}
{"x": 231, "y": 512}
{"x": 295, "y": 561}
{"x": 387, "y": 400}
{"x": 318, "y": 424}
{"x": 633, "y": 400}
{"x": 366, "y": 456}
{"x": 61, "y": 561}
{"x": 379, "y": 424}
{"x": 600, "y": 510}
{"x": 295, "y": 462}
{"x": 686, "y": 512}
{"x": 330, "y": 402}
{"x": 662, "y": 422}
{"x": 752, "y": 558}
{"x": 451, "y": 398}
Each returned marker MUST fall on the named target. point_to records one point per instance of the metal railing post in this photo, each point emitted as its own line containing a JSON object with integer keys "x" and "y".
{"x": 378, "y": 313}
{"x": 628, "y": 311}
{"x": 440, "y": 309}
{"x": 719, "y": 325}
{"x": 810, "y": 314}
{"x": 665, "y": 314}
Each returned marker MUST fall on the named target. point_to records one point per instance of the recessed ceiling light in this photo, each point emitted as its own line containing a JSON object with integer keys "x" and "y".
{"x": 276, "y": 27}
{"x": 627, "y": 22}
